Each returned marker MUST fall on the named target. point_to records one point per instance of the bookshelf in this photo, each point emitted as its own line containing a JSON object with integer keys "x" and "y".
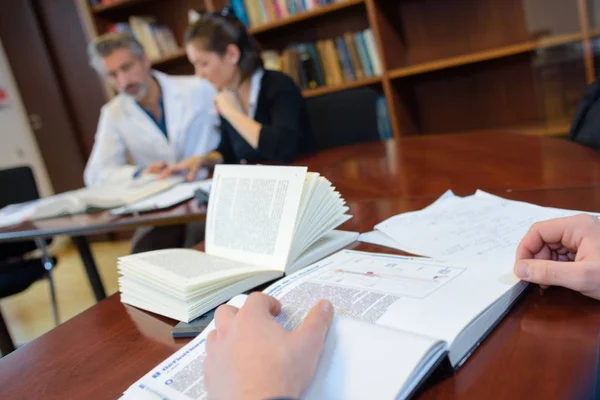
{"x": 448, "y": 66}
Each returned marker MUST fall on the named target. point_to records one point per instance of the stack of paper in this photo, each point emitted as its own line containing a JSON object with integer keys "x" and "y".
{"x": 482, "y": 228}
{"x": 86, "y": 200}
{"x": 165, "y": 199}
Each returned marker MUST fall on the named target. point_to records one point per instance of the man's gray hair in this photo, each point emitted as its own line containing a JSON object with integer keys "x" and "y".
{"x": 104, "y": 45}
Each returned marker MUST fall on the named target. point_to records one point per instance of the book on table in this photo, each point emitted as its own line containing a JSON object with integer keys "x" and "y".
{"x": 262, "y": 222}
{"x": 396, "y": 319}
{"x": 89, "y": 199}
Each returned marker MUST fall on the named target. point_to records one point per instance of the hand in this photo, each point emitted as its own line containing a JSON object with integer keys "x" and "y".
{"x": 154, "y": 168}
{"x": 250, "y": 356}
{"x": 226, "y": 101}
{"x": 191, "y": 166}
{"x": 562, "y": 252}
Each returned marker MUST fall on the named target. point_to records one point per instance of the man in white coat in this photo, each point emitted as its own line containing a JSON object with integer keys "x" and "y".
{"x": 154, "y": 121}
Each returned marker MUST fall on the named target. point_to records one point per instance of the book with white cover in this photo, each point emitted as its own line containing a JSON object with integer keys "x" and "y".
{"x": 262, "y": 222}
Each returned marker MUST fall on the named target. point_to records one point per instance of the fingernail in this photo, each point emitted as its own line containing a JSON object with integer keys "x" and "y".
{"x": 523, "y": 270}
{"x": 327, "y": 307}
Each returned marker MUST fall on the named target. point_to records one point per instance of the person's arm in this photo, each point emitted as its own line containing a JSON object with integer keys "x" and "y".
{"x": 280, "y": 140}
{"x": 227, "y": 106}
{"x": 108, "y": 161}
{"x": 250, "y": 356}
{"x": 562, "y": 252}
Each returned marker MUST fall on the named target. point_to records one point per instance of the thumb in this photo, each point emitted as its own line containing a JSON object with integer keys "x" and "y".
{"x": 311, "y": 334}
{"x": 572, "y": 275}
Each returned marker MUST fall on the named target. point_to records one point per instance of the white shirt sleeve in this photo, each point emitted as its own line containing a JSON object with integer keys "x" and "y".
{"x": 108, "y": 161}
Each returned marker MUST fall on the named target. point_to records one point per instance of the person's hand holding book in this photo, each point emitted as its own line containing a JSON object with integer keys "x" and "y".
{"x": 562, "y": 252}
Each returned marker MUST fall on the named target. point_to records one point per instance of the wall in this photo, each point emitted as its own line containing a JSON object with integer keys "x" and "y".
{"x": 17, "y": 141}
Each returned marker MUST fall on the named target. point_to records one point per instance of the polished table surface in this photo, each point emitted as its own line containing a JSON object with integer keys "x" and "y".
{"x": 545, "y": 348}
{"x": 429, "y": 165}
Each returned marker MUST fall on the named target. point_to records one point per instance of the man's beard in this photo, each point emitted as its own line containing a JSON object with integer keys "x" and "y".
{"x": 137, "y": 91}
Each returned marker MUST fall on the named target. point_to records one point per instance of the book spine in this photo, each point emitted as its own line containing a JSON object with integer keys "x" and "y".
{"x": 345, "y": 59}
{"x": 251, "y": 11}
{"x": 321, "y": 48}
{"x": 334, "y": 62}
{"x": 384, "y": 125}
{"x": 240, "y": 11}
{"x": 373, "y": 53}
{"x": 317, "y": 63}
{"x": 262, "y": 11}
{"x": 354, "y": 57}
{"x": 363, "y": 54}
{"x": 283, "y": 6}
{"x": 270, "y": 10}
{"x": 277, "y": 8}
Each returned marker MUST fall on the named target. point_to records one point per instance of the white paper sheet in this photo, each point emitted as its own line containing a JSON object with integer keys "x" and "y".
{"x": 476, "y": 230}
{"x": 166, "y": 199}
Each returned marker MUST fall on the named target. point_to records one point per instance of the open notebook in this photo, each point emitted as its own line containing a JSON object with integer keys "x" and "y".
{"x": 396, "y": 319}
{"x": 262, "y": 222}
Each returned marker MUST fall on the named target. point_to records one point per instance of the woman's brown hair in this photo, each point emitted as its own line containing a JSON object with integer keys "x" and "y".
{"x": 215, "y": 31}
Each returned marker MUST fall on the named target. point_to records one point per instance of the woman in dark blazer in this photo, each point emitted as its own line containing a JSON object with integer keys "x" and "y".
{"x": 263, "y": 114}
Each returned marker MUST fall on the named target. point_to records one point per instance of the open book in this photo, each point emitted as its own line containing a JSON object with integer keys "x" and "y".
{"x": 262, "y": 222}
{"x": 396, "y": 319}
{"x": 89, "y": 199}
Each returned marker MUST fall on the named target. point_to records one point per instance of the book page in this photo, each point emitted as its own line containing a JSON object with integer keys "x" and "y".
{"x": 182, "y": 269}
{"x": 387, "y": 364}
{"x": 252, "y": 213}
{"x": 419, "y": 295}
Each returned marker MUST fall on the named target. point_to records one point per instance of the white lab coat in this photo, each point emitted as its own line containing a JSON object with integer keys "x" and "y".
{"x": 127, "y": 134}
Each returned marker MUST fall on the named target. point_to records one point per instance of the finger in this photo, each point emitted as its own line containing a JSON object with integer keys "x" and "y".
{"x": 579, "y": 276}
{"x": 314, "y": 329}
{"x": 210, "y": 340}
{"x": 263, "y": 304}
{"x": 223, "y": 317}
{"x": 562, "y": 231}
{"x": 166, "y": 172}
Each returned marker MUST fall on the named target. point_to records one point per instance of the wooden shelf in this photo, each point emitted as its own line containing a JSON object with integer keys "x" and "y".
{"x": 114, "y": 5}
{"x": 542, "y": 129}
{"x": 181, "y": 54}
{"x": 485, "y": 55}
{"x": 304, "y": 16}
{"x": 534, "y": 129}
{"x": 320, "y": 91}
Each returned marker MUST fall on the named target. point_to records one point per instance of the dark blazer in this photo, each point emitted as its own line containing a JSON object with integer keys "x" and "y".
{"x": 285, "y": 133}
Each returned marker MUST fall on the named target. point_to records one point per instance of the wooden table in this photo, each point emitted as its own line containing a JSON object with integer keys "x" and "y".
{"x": 429, "y": 165}
{"x": 79, "y": 227}
{"x": 545, "y": 348}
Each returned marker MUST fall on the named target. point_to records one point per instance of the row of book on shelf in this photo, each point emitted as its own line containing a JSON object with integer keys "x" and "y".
{"x": 331, "y": 62}
{"x": 157, "y": 40}
{"x": 258, "y": 12}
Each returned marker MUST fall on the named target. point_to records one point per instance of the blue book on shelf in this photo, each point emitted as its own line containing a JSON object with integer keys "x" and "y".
{"x": 384, "y": 125}
{"x": 363, "y": 53}
{"x": 239, "y": 9}
{"x": 291, "y": 6}
{"x": 344, "y": 56}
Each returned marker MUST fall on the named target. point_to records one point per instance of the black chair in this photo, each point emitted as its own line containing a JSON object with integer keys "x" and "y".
{"x": 585, "y": 128}
{"x": 17, "y": 272}
{"x": 344, "y": 118}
